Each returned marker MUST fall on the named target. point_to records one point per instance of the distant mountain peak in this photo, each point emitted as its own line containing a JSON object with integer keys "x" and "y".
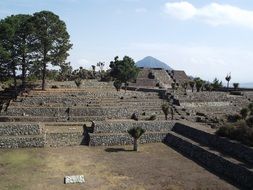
{"x": 151, "y": 62}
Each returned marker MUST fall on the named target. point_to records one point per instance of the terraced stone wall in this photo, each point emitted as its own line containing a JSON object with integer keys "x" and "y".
{"x": 21, "y": 135}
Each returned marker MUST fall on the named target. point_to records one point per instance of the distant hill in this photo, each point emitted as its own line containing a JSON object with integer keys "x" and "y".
{"x": 151, "y": 62}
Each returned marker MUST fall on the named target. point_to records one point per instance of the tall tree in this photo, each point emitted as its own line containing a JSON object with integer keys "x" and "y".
{"x": 8, "y": 52}
{"x": 24, "y": 38}
{"x": 51, "y": 41}
{"x": 123, "y": 70}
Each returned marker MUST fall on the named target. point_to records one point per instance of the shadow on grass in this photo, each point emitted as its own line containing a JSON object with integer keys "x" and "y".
{"x": 117, "y": 150}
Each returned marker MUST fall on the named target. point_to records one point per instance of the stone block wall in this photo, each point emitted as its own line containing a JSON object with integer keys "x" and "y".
{"x": 15, "y": 129}
{"x": 123, "y": 126}
{"x": 124, "y": 139}
{"x": 64, "y": 139}
{"x": 21, "y": 135}
{"x": 237, "y": 173}
{"x": 224, "y": 145}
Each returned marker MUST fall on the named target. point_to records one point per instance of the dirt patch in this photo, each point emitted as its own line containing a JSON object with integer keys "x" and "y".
{"x": 156, "y": 166}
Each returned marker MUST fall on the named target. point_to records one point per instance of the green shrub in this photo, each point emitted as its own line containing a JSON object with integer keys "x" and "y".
{"x": 165, "y": 108}
{"x": 249, "y": 122}
{"x": 152, "y": 117}
{"x": 117, "y": 84}
{"x": 244, "y": 113}
{"x": 236, "y": 93}
{"x": 78, "y": 82}
{"x": 234, "y": 118}
{"x": 54, "y": 86}
{"x": 238, "y": 131}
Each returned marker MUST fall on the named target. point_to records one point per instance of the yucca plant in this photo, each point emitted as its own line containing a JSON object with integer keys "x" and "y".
{"x": 136, "y": 133}
{"x": 78, "y": 82}
{"x": 166, "y": 110}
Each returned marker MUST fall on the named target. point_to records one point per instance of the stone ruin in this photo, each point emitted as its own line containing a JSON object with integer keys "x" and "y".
{"x": 97, "y": 115}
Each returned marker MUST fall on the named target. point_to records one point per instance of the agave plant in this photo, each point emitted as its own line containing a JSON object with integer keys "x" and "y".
{"x": 166, "y": 110}
{"x": 136, "y": 133}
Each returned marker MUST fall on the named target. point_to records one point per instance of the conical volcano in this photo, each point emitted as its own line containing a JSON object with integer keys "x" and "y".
{"x": 152, "y": 63}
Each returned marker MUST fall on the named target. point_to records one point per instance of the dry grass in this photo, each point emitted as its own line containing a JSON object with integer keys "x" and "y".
{"x": 156, "y": 166}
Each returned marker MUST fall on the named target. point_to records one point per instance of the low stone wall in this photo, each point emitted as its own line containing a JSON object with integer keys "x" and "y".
{"x": 204, "y": 104}
{"x": 50, "y": 119}
{"x": 64, "y": 139}
{"x": 123, "y": 126}
{"x": 112, "y": 112}
{"x": 124, "y": 138}
{"x": 15, "y": 129}
{"x": 22, "y": 141}
{"x": 225, "y": 145}
{"x": 218, "y": 164}
{"x": 203, "y": 97}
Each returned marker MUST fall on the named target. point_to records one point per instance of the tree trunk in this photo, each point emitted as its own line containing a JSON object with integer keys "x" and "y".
{"x": 23, "y": 72}
{"x": 192, "y": 90}
{"x": 44, "y": 76}
{"x": 228, "y": 86}
{"x": 125, "y": 86}
{"x": 135, "y": 144}
{"x": 14, "y": 77}
{"x": 166, "y": 117}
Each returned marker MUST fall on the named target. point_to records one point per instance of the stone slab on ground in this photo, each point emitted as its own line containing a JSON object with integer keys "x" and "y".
{"x": 74, "y": 179}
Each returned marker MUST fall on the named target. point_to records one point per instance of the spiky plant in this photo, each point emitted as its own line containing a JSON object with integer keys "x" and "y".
{"x": 166, "y": 110}
{"x": 136, "y": 133}
{"x": 244, "y": 112}
{"x": 228, "y": 78}
{"x": 192, "y": 85}
{"x": 117, "y": 84}
{"x": 78, "y": 82}
{"x": 236, "y": 86}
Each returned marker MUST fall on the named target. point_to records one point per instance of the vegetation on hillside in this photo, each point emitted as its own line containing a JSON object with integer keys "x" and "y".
{"x": 241, "y": 129}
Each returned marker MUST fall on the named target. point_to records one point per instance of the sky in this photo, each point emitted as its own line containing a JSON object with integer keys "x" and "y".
{"x": 202, "y": 37}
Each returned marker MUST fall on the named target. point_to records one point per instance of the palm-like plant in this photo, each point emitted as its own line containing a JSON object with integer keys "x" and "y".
{"x": 136, "y": 133}
{"x": 244, "y": 113}
{"x": 228, "y": 78}
{"x": 236, "y": 85}
{"x": 185, "y": 86}
{"x": 165, "y": 108}
{"x": 192, "y": 84}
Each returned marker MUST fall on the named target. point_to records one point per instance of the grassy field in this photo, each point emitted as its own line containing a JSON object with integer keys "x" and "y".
{"x": 156, "y": 166}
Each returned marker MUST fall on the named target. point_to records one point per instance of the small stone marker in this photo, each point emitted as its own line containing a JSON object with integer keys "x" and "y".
{"x": 74, "y": 179}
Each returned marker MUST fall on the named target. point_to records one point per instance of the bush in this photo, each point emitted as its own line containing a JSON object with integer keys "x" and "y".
{"x": 78, "y": 82}
{"x": 238, "y": 131}
{"x": 135, "y": 116}
{"x": 117, "y": 84}
{"x": 236, "y": 93}
{"x": 54, "y": 86}
{"x": 234, "y": 118}
{"x": 152, "y": 117}
{"x": 249, "y": 122}
{"x": 244, "y": 113}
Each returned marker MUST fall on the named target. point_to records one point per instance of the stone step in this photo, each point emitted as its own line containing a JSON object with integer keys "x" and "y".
{"x": 114, "y": 112}
{"x": 89, "y": 104}
{"x": 207, "y": 137}
{"x": 17, "y": 129}
{"x": 26, "y": 141}
{"x": 50, "y": 119}
{"x": 110, "y": 139}
{"x": 224, "y": 165}
{"x": 64, "y": 138}
{"x": 119, "y": 126}
{"x": 71, "y": 124}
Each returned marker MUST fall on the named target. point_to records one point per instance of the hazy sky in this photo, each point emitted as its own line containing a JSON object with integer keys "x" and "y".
{"x": 205, "y": 38}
